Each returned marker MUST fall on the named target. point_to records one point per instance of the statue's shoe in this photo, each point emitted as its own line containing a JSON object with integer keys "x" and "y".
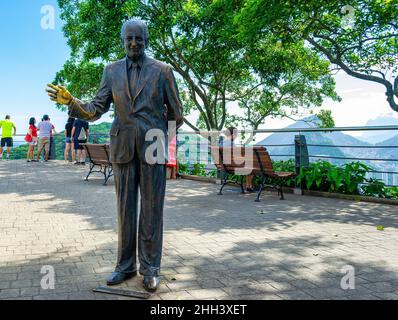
{"x": 151, "y": 283}
{"x": 119, "y": 277}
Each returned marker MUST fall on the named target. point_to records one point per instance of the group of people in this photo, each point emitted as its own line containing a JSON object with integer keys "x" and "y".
{"x": 41, "y": 135}
{"x": 76, "y": 133}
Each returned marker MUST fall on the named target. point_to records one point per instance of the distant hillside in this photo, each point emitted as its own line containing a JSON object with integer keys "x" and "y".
{"x": 379, "y": 136}
{"x": 102, "y": 128}
{"x": 338, "y": 139}
{"x": 316, "y": 138}
{"x": 389, "y": 153}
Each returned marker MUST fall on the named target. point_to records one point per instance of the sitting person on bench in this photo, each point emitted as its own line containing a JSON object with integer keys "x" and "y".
{"x": 231, "y": 134}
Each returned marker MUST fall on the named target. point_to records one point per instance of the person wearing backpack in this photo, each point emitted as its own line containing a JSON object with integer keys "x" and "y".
{"x": 80, "y": 135}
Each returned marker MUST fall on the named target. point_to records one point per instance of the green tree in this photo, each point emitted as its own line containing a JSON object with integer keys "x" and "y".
{"x": 359, "y": 37}
{"x": 201, "y": 41}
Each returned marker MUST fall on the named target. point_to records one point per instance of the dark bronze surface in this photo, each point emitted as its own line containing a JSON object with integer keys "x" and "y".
{"x": 145, "y": 95}
{"x": 123, "y": 292}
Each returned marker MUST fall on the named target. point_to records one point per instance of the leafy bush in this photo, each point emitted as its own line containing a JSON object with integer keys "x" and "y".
{"x": 374, "y": 188}
{"x": 349, "y": 178}
{"x": 391, "y": 192}
{"x": 211, "y": 173}
{"x": 197, "y": 169}
{"x": 183, "y": 168}
{"x": 288, "y": 166}
{"x": 324, "y": 176}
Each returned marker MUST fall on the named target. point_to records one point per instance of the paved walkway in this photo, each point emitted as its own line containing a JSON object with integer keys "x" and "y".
{"x": 215, "y": 247}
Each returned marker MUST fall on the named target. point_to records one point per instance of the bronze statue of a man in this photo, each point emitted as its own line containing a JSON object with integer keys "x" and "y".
{"x": 145, "y": 96}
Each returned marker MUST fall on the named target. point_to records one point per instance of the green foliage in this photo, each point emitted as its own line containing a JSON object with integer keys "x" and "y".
{"x": 183, "y": 168}
{"x": 196, "y": 169}
{"x": 215, "y": 66}
{"x": 357, "y": 36}
{"x": 287, "y": 166}
{"x": 354, "y": 174}
{"x": 374, "y": 188}
{"x": 326, "y": 119}
{"x": 324, "y": 176}
{"x": 349, "y": 178}
{"x": 391, "y": 192}
{"x": 377, "y": 188}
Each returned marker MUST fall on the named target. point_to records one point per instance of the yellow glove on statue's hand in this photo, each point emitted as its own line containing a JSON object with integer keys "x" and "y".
{"x": 59, "y": 94}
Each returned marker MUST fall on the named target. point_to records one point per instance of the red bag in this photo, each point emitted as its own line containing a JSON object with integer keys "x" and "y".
{"x": 28, "y": 138}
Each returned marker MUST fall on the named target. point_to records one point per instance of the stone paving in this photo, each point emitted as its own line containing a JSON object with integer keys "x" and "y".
{"x": 215, "y": 247}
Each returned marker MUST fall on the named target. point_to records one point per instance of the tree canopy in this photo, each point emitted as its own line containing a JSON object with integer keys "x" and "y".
{"x": 201, "y": 39}
{"x": 359, "y": 37}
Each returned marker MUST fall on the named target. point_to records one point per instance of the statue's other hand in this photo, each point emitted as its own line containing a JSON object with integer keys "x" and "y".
{"x": 58, "y": 94}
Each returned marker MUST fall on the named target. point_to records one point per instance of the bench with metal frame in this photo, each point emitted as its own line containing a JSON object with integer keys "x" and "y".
{"x": 227, "y": 164}
{"x": 234, "y": 162}
{"x": 99, "y": 157}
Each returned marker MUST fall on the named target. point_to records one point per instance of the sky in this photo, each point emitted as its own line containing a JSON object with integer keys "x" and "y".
{"x": 30, "y": 56}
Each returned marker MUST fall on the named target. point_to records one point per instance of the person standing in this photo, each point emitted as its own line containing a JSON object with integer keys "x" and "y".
{"x": 80, "y": 135}
{"x": 51, "y": 152}
{"x": 172, "y": 164}
{"x": 6, "y": 136}
{"x": 68, "y": 140}
{"x": 139, "y": 87}
{"x": 32, "y": 131}
{"x": 44, "y": 127}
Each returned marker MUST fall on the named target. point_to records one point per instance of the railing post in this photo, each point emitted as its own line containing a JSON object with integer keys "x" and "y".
{"x": 220, "y": 174}
{"x": 301, "y": 157}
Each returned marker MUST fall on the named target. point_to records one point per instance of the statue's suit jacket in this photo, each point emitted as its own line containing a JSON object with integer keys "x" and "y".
{"x": 155, "y": 103}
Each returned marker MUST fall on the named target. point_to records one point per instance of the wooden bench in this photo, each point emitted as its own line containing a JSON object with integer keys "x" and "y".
{"x": 99, "y": 157}
{"x": 233, "y": 161}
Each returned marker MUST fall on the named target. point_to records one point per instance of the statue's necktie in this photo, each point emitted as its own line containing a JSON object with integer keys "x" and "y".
{"x": 134, "y": 79}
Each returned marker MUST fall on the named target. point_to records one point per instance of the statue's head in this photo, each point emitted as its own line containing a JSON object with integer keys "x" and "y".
{"x": 134, "y": 35}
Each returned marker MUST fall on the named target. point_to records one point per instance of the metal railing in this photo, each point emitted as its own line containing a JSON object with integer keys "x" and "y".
{"x": 384, "y": 163}
{"x": 193, "y": 149}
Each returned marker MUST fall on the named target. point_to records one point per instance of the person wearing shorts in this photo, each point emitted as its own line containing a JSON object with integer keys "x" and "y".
{"x": 6, "y": 138}
{"x": 80, "y": 127}
{"x": 44, "y": 127}
{"x": 32, "y": 131}
{"x": 68, "y": 140}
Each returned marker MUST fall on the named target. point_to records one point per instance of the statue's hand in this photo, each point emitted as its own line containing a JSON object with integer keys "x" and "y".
{"x": 59, "y": 94}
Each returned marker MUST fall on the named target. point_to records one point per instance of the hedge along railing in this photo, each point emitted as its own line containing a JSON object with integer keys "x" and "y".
{"x": 301, "y": 155}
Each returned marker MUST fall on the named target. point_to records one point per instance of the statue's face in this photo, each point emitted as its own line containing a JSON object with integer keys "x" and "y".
{"x": 134, "y": 41}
